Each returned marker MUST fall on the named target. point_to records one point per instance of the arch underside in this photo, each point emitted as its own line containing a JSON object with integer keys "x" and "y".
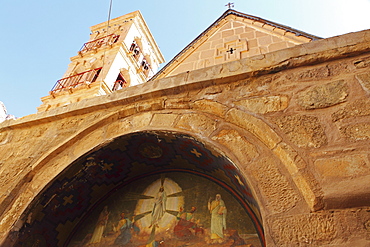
{"x": 120, "y": 175}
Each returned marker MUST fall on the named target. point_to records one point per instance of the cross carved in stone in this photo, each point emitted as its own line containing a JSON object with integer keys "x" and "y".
{"x": 231, "y": 50}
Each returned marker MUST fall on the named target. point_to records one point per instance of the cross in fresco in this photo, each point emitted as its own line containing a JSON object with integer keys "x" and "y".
{"x": 230, "y": 5}
{"x": 107, "y": 167}
{"x": 67, "y": 200}
{"x": 196, "y": 153}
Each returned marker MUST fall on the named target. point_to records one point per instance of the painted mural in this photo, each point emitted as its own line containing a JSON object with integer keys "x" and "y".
{"x": 171, "y": 209}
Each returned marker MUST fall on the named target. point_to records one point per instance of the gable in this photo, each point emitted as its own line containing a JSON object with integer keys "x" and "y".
{"x": 233, "y": 36}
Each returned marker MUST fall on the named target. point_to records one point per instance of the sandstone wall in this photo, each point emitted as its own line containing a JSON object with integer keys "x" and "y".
{"x": 295, "y": 121}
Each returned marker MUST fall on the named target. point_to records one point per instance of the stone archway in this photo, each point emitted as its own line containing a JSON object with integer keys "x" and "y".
{"x": 125, "y": 169}
{"x": 251, "y": 144}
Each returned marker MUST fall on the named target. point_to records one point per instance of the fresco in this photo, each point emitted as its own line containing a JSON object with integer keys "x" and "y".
{"x": 168, "y": 209}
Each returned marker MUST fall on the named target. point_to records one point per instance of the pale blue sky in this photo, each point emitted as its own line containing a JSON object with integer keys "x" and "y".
{"x": 38, "y": 37}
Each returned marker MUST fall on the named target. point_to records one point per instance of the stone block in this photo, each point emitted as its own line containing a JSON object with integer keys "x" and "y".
{"x": 254, "y": 125}
{"x": 264, "y": 40}
{"x": 362, "y": 62}
{"x": 265, "y": 104}
{"x": 237, "y": 144}
{"x": 364, "y": 80}
{"x": 261, "y": 34}
{"x": 215, "y": 36}
{"x": 303, "y": 230}
{"x": 239, "y": 30}
{"x": 304, "y": 131}
{"x": 357, "y": 108}
{"x": 197, "y": 123}
{"x": 295, "y": 165}
{"x": 163, "y": 119}
{"x": 274, "y": 186}
{"x": 182, "y": 103}
{"x": 205, "y": 46}
{"x": 323, "y": 95}
{"x": 254, "y": 51}
{"x": 338, "y": 68}
{"x": 313, "y": 74}
{"x": 184, "y": 67}
{"x": 349, "y": 166}
{"x": 238, "y": 24}
{"x": 252, "y": 43}
{"x": 207, "y": 54}
{"x": 248, "y": 35}
{"x": 88, "y": 142}
{"x": 210, "y": 106}
{"x": 118, "y": 128}
{"x": 227, "y": 33}
{"x": 277, "y": 46}
{"x": 357, "y": 132}
{"x": 141, "y": 120}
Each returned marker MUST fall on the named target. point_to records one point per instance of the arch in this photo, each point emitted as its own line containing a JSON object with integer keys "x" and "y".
{"x": 112, "y": 126}
{"x": 63, "y": 204}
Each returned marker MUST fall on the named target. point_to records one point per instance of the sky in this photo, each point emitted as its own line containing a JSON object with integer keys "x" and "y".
{"x": 39, "y": 36}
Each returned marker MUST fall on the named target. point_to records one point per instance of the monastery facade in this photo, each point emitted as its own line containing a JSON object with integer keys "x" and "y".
{"x": 256, "y": 134}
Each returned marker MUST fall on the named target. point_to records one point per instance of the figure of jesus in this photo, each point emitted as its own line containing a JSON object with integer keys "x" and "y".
{"x": 159, "y": 207}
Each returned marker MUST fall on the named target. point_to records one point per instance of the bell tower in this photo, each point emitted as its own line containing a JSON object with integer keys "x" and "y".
{"x": 120, "y": 53}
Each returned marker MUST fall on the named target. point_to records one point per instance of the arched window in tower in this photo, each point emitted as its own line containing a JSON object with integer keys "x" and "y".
{"x": 133, "y": 46}
{"x": 120, "y": 83}
{"x": 135, "y": 50}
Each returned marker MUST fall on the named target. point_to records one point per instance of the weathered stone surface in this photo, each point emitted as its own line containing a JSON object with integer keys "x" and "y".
{"x": 302, "y": 130}
{"x": 364, "y": 80}
{"x": 238, "y": 144}
{"x": 197, "y": 123}
{"x": 336, "y": 69}
{"x": 349, "y": 166}
{"x": 141, "y": 120}
{"x": 152, "y": 105}
{"x": 163, "y": 119}
{"x": 210, "y": 107}
{"x": 301, "y": 230}
{"x": 336, "y": 228}
{"x": 357, "y": 132}
{"x": 357, "y": 108}
{"x": 277, "y": 190}
{"x": 117, "y": 128}
{"x": 304, "y": 183}
{"x": 324, "y": 95}
{"x": 265, "y": 104}
{"x": 362, "y": 63}
{"x": 88, "y": 142}
{"x": 255, "y": 126}
{"x": 313, "y": 74}
{"x": 177, "y": 104}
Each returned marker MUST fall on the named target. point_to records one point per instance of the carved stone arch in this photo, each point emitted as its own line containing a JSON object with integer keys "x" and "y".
{"x": 54, "y": 201}
{"x": 201, "y": 125}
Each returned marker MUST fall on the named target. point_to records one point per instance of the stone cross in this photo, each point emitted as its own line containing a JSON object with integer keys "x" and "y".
{"x": 230, "y": 5}
{"x": 231, "y": 50}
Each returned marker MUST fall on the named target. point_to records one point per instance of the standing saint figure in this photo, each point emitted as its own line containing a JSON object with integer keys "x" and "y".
{"x": 100, "y": 226}
{"x": 218, "y": 212}
{"x": 159, "y": 207}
